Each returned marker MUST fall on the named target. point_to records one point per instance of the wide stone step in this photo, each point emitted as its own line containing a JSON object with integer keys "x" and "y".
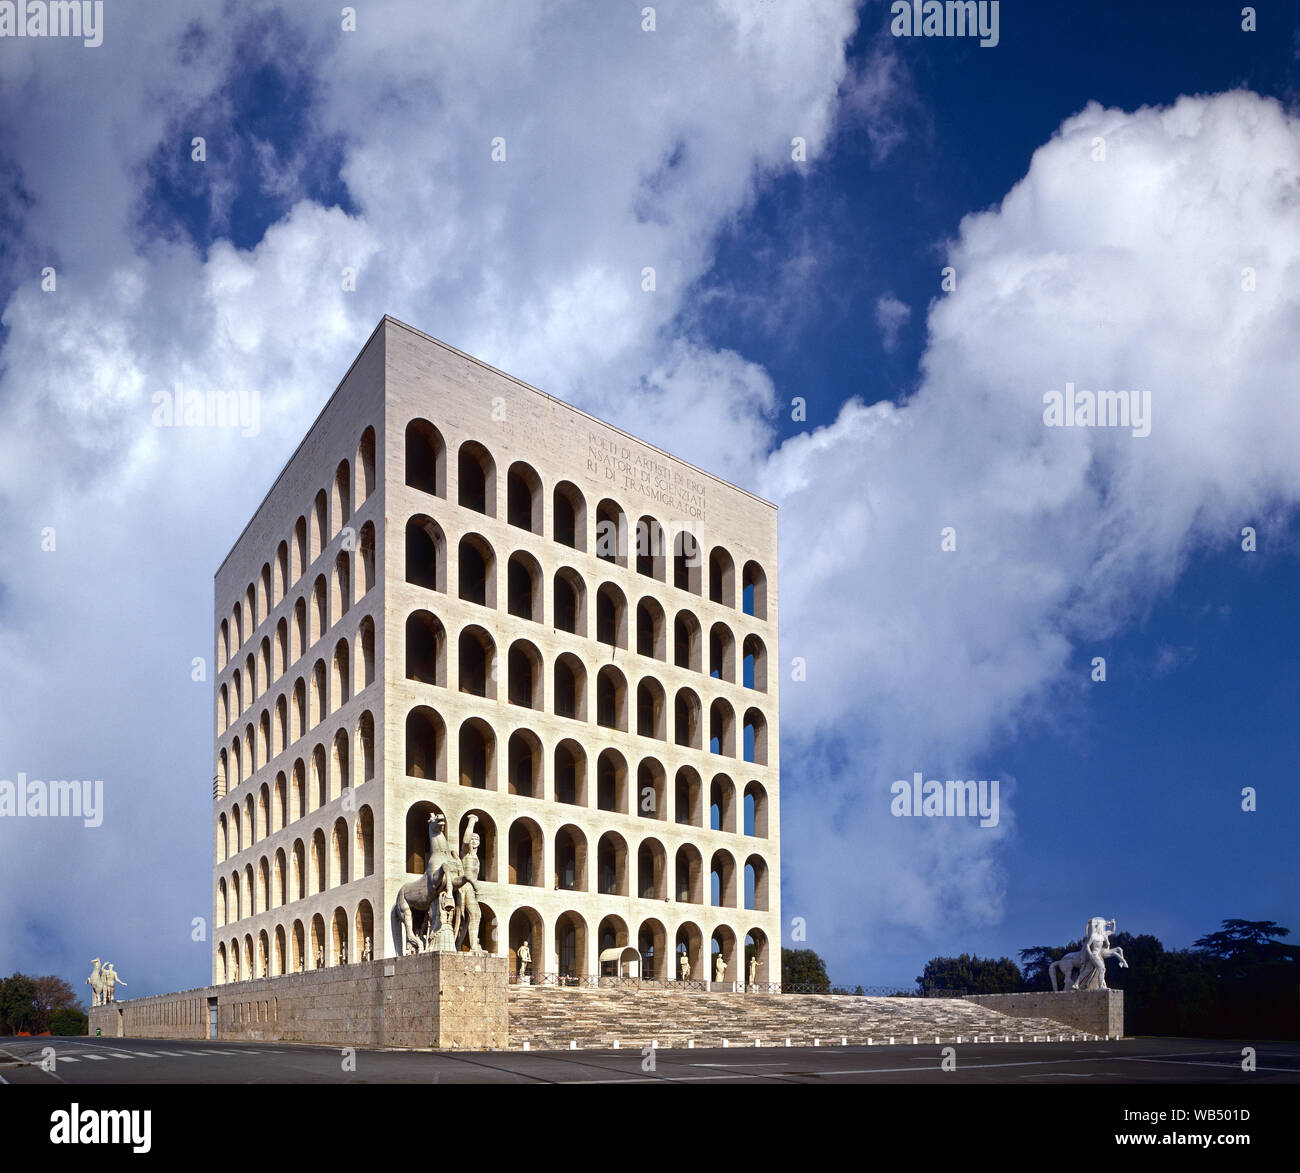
{"x": 550, "y": 1018}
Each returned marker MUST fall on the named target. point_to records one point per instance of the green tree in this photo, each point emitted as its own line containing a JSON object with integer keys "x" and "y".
{"x": 1257, "y": 975}
{"x": 18, "y": 1004}
{"x": 68, "y": 1020}
{"x": 970, "y": 974}
{"x": 1243, "y": 946}
{"x": 804, "y": 967}
{"x": 52, "y": 993}
{"x": 1034, "y": 963}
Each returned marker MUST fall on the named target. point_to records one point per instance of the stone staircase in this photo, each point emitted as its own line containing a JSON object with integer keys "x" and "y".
{"x": 554, "y": 1018}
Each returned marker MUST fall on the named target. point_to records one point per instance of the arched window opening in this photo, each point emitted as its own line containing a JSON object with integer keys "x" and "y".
{"x": 524, "y": 497}
{"x": 569, "y": 516}
{"x": 426, "y": 458}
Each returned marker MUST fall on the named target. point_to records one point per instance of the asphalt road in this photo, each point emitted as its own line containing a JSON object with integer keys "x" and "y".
{"x": 1129, "y": 1061}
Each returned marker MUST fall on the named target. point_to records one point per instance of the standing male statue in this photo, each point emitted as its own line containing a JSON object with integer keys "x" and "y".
{"x": 111, "y": 981}
{"x": 719, "y": 968}
{"x": 525, "y": 957}
{"x": 466, "y": 890}
{"x": 753, "y": 971}
{"x": 684, "y": 965}
{"x": 365, "y": 951}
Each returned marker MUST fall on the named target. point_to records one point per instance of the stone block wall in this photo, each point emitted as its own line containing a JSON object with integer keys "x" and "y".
{"x": 1099, "y": 1012}
{"x": 452, "y": 1001}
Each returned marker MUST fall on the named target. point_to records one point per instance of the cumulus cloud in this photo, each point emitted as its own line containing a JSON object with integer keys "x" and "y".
{"x": 1126, "y": 273}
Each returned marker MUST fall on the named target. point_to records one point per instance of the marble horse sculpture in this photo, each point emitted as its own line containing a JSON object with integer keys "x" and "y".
{"x": 443, "y": 874}
{"x": 1090, "y": 961}
{"x": 96, "y": 983}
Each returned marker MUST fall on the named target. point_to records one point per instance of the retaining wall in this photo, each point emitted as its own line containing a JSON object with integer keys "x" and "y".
{"x": 1099, "y": 1012}
{"x": 442, "y": 1000}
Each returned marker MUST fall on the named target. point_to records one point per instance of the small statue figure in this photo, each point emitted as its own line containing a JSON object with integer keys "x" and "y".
{"x": 320, "y": 956}
{"x": 753, "y": 971}
{"x": 343, "y": 955}
{"x": 365, "y": 951}
{"x": 444, "y": 940}
{"x": 525, "y": 956}
{"x": 684, "y": 965}
{"x": 719, "y": 968}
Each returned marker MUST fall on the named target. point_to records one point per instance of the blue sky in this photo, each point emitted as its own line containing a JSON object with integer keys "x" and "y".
{"x": 775, "y": 280}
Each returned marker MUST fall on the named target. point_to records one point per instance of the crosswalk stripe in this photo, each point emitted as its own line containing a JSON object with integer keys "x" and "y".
{"x": 66, "y": 1059}
{"x": 97, "y": 1057}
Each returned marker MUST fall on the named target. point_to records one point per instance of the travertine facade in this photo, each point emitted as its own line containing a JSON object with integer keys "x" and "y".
{"x": 462, "y": 595}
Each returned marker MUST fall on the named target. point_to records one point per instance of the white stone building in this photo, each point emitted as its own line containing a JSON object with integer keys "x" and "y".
{"x": 462, "y": 595}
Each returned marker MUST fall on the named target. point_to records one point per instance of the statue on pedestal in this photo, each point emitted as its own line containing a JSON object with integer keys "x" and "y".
{"x": 320, "y": 956}
{"x": 525, "y": 959}
{"x": 753, "y": 971}
{"x": 1090, "y": 961}
{"x": 442, "y": 870}
{"x": 365, "y": 951}
{"x": 684, "y": 965}
{"x": 719, "y": 968}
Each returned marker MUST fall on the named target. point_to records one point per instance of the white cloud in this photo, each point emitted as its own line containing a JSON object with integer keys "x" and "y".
{"x": 1118, "y": 274}
{"x": 891, "y": 316}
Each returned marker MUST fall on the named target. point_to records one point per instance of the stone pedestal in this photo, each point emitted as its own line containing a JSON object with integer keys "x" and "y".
{"x": 1096, "y": 1012}
{"x": 443, "y": 1000}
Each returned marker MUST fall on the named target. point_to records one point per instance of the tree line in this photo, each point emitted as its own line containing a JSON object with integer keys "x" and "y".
{"x": 35, "y": 1005}
{"x": 1240, "y": 982}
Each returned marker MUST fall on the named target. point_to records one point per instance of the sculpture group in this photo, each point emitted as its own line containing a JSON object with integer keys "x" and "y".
{"x": 1090, "y": 961}
{"x": 103, "y": 981}
{"x": 447, "y": 893}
